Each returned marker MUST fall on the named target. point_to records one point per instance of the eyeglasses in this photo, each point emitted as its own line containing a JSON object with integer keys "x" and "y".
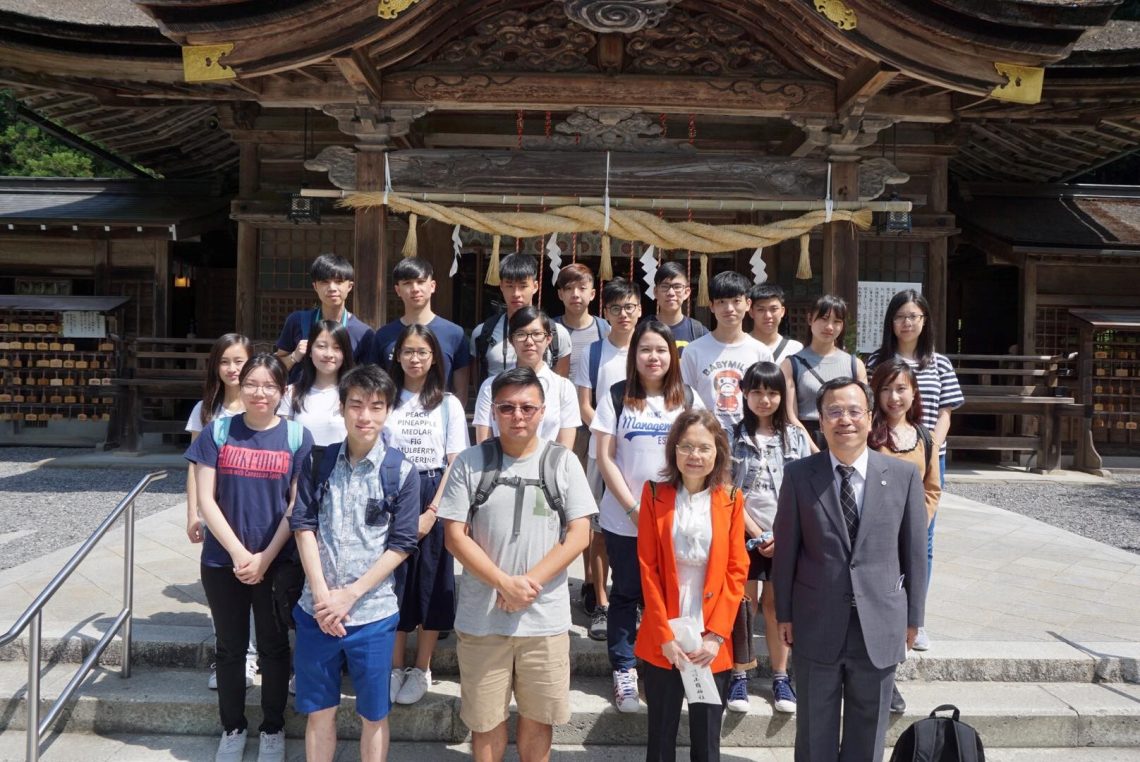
{"x": 837, "y": 413}
{"x": 535, "y": 336}
{"x": 618, "y": 309}
{"x": 508, "y": 409}
{"x": 703, "y": 451}
{"x": 667, "y": 287}
{"x": 419, "y": 354}
{"x": 268, "y": 389}
{"x": 916, "y": 318}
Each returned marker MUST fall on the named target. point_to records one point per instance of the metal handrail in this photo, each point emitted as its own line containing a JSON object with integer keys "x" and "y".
{"x": 33, "y": 619}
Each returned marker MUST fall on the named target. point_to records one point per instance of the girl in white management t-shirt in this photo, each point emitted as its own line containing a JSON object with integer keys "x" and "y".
{"x": 314, "y": 400}
{"x": 530, "y": 330}
{"x": 630, "y": 452}
{"x": 221, "y": 398}
{"x": 430, "y": 428}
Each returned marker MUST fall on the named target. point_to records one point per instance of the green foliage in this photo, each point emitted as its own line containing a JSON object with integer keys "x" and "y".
{"x": 27, "y": 151}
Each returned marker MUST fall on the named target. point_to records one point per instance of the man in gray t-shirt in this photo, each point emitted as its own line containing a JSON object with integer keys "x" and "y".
{"x": 513, "y": 612}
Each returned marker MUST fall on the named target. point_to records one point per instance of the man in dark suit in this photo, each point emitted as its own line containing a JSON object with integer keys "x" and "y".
{"x": 850, "y": 579}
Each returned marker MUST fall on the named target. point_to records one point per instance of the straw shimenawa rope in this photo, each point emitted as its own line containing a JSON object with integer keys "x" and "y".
{"x": 626, "y": 224}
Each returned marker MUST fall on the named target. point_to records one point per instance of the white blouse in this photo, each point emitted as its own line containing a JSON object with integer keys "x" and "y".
{"x": 692, "y": 537}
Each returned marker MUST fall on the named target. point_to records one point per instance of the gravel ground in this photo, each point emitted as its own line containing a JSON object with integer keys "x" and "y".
{"x": 1108, "y": 514}
{"x": 44, "y": 509}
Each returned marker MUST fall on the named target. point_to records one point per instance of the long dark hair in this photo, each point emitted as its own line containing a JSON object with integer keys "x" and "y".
{"x": 720, "y": 473}
{"x": 672, "y": 387}
{"x": 886, "y": 372}
{"x": 214, "y": 392}
{"x": 924, "y": 350}
{"x": 432, "y": 392}
{"x": 766, "y": 375}
{"x": 837, "y": 306}
{"x": 304, "y": 385}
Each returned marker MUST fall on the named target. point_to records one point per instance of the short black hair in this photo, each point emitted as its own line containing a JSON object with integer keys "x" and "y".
{"x": 527, "y": 315}
{"x": 518, "y": 266}
{"x": 766, "y": 291}
{"x": 618, "y": 289}
{"x": 412, "y": 268}
{"x": 842, "y": 382}
{"x": 669, "y": 270}
{"x": 517, "y": 377}
{"x": 329, "y": 266}
{"x": 371, "y": 380}
{"x": 728, "y": 285}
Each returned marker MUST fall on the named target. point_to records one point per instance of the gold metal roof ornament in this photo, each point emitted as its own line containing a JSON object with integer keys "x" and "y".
{"x": 1023, "y": 83}
{"x": 390, "y": 9}
{"x": 202, "y": 63}
{"x": 837, "y": 13}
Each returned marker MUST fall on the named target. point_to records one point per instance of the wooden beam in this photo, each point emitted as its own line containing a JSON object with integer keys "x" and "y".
{"x": 359, "y": 72}
{"x": 841, "y": 243}
{"x": 369, "y": 249}
{"x": 863, "y": 83}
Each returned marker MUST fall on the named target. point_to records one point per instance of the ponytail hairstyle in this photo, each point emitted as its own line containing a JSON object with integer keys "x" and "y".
{"x": 766, "y": 375}
{"x": 304, "y": 385}
{"x": 431, "y": 395}
{"x": 214, "y": 392}
{"x": 673, "y": 388}
{"x": 885, "y": 373}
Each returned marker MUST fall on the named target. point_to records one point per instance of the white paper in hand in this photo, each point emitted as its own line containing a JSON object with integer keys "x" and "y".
{"x": 700, "y": 688}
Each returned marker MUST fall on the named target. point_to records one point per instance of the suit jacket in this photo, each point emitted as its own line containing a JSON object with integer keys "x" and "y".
{"x": 816, "y": 570}
{"x": 724, "y": 577}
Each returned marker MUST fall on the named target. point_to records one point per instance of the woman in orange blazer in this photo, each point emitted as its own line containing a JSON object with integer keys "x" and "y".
{"x": 690, "y": 546}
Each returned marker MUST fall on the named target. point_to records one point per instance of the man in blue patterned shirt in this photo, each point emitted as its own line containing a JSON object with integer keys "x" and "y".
{"x": 352, "y": 537}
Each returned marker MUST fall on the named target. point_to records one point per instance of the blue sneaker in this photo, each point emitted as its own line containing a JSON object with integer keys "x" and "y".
{"x": 783, "y": 695}
{"x": 738, "y": 693}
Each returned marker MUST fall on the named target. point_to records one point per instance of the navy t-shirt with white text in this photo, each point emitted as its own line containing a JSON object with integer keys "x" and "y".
{"x": 253, "y": 473}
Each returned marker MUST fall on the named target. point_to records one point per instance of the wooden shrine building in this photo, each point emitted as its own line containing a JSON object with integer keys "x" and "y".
{"x": 770, "y": 101}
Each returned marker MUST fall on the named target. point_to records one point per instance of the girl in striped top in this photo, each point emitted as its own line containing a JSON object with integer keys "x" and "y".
{"x": 908, "y": 334}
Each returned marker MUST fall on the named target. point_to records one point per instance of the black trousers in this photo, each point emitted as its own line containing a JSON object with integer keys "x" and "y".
{"x": 664, "y": 694}
{"x": 230, "y": 600}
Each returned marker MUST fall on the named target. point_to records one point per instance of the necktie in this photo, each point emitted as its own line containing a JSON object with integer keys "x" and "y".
{"x": 847, "y": 501}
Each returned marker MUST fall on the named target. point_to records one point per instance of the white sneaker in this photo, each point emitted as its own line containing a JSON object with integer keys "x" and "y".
{"x": 250, "y": 671}
{"x": 292, "y": 685}
{"x": 232, "y": 747}
{"x": 416, "y": 683}
{"x": 271, "y": 747}
{"x": 922, "y": 640}
{"x": 625, "y": 690}
{"x": 396, "y": 682}
{"x": 212, "y": 680}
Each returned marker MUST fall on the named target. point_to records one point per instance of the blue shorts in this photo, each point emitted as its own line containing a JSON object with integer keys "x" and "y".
{"x": 367, "y": 648}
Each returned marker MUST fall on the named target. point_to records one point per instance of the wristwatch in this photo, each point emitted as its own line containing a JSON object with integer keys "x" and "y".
{"x": 719, "y": 640}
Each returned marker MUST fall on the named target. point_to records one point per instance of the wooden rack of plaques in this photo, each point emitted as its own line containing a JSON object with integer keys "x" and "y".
{"x": 47, "y": 377}
{"x": 1110, "y": 384}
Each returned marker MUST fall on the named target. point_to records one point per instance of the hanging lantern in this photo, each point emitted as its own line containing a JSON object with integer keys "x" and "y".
{"x": 304, "y": 208}
{"x": 892, "y": 222}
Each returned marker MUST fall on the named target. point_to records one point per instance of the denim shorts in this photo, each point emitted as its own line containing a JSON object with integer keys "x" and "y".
{"x": 367, "y": 648}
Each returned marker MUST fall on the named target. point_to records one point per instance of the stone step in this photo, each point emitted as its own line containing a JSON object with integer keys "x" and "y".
{"x": 167, "y": 646}
{"x": 1014, "y": 715}
{"x": 67, "y": 747}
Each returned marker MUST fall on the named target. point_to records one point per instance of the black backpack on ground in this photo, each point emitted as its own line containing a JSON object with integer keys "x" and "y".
{"x": 939, "y": 739}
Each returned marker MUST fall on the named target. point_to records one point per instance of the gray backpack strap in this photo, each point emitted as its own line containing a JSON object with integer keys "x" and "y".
{"x": 548, "y": 464}
{"x": 488, "y": 479}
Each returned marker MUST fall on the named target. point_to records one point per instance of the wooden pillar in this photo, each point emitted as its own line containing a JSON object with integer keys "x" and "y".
{"x": 246, "y": 310}
{"x": 841, "y": 244}
{"x": 936, "y": 263}
{"x": 937, "y": 260}
{"x": 1027, "y": 326}
{"x": 162, "y": 288}
{"x": 369, "y": 242}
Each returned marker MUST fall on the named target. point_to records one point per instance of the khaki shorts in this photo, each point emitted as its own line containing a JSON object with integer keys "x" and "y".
{"x": 535, "y": 669}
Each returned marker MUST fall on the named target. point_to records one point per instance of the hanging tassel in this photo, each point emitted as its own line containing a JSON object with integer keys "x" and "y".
{"x": 606, "y": 268}
{"x": 492, "y": 278}
{"x": 410, "y": 244}
{"x": 803, "y": 272}
{"x": 703, "y": 290}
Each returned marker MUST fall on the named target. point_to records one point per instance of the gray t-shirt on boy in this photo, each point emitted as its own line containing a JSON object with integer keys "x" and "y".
{"x": 493, "y": 529}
